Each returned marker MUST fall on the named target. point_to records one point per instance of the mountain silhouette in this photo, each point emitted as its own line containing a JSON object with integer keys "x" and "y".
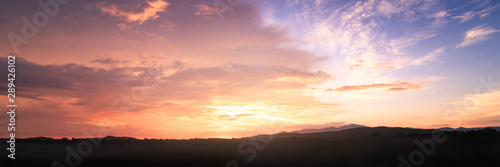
{"x": 329, "y": 129}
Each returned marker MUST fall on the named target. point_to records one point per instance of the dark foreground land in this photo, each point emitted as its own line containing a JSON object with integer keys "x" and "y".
{"x": 379, "y": 146}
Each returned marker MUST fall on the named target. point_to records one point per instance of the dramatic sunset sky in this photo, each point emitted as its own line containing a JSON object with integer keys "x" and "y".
{"x": 184, "y": 69}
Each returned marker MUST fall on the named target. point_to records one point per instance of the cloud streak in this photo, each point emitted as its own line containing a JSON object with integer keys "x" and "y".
{"x": 471, "y": 14}
{"x": 430, "y": 57}
{"x": 477, "y": 34}
{"x": 398, "y": 86}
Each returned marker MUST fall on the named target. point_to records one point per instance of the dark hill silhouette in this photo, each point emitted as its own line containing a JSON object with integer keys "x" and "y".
{"x": 118, "y": 138}
{"x": 41, "y": 139}
{"x": 362, "y": 146}
{"x": 328, "y": 129}
{"x": 469, "y": 129}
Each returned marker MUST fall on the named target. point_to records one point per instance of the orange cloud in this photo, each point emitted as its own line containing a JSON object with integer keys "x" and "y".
{"x": 398, "y": 86}
{"x": 149, "y": 12}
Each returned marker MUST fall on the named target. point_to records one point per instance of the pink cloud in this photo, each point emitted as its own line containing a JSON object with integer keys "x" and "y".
{"x": 398, "y": 86}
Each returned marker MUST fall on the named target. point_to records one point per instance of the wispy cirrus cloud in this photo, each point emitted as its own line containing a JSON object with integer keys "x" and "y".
{"x": 465, "y": 17}
{"x": 358, "y": 33}
{"x": 439, "y": 19}
{"x": 474, "y": 13}
{"x": 477, "y": 34}
{"x": 402, "y": 62}
{"x": 432, "y": 56}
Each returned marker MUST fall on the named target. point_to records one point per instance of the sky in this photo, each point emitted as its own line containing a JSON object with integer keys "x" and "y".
{"x": 203, "y": 69}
